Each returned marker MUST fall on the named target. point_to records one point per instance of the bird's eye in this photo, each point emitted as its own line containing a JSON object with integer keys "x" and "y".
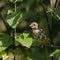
{"x": 34, "y": 24}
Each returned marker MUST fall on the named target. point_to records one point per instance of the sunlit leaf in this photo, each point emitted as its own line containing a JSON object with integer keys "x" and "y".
{"x": 55, "y": 52}
{"x": 4, "y": 56}
{"x": 25, "y": 35}
{"x": 13, "y": 18}
{"x": 2, "y": 53}
{"x": 49, "y": 9}
{"x": 11, "y": 0}
{"x": 18, "y": 0}
{"x": 28, "y": 58}
{"x": 25, "y": 40}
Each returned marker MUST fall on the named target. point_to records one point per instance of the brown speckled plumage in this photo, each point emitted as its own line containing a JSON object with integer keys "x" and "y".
{"x": 39, "y": 33}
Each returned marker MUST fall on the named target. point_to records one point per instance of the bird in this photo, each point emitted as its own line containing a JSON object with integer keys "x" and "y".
{"x": 38, "y": 33}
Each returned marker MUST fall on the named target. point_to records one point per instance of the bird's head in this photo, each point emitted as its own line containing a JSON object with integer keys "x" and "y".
{"x": 34, "y": 25}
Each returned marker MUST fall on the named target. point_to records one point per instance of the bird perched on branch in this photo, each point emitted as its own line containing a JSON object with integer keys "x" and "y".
{"x": 38, "y": 33}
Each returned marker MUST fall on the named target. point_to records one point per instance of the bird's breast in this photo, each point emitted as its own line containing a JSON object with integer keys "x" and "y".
{"x": 35, "y": 32}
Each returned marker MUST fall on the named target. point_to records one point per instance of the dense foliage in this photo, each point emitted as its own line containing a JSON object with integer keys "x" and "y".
{"x": 16, "y": 38}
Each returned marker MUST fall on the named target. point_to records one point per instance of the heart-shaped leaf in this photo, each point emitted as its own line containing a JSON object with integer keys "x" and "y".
{"x": 25, "y": 40}
{"x": 13, "y": 18}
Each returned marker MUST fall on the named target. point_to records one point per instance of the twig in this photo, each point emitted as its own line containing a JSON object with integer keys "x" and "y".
{"x": 6, "y": 24}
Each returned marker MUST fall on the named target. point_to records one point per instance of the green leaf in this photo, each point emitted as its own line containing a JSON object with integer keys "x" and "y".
{"x": 25, "y": 35}
{"x": 13, "y": 18}
{"x": 49, "y": 9}
{"x": 18, "y": 0}
{"x": 55, "y": 52}
{"x": 28, "y": 58}
{"x": 4, "y": 56}
{"x": 16, "y": 51}
{"x": 1, "y": 53}
{"x": 11, "y": 0}
{"x": 56, "y": 13}
{"x": 57, "y": 10}
{"x": 57, "y": 40}
{"x": 5, "y": 41}
{"x": 25, "y": 40}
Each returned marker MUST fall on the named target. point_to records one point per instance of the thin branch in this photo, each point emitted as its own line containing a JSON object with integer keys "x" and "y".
{"x": 6, "y": 24}
{"x": 48, "y": 25}
{"x": 56, "y": 15}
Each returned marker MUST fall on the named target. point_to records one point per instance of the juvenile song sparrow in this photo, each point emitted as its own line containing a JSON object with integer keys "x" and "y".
{"x": 37, "y": 33}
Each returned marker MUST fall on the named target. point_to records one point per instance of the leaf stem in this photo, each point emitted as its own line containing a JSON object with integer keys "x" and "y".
{"x": 15, "y": 5}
